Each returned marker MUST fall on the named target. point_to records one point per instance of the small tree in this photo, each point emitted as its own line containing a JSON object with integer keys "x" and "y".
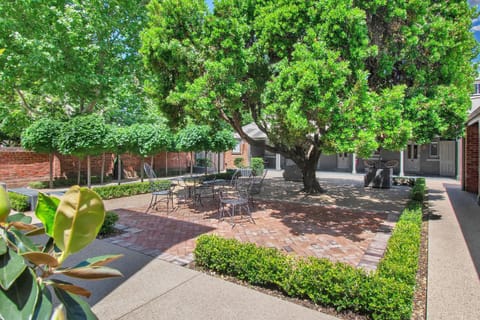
{"x": 149, "y": 139}
{"x": 117, "y": 140}
{"x": 194, "y": 138}
{"x": 41, "y": 137}
{"x": 83, "y": 136}
{"x": 222, "y": 141}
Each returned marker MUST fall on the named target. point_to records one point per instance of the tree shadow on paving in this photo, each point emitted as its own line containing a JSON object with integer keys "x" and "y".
{"x": 346, "y": 193}
{"x": 316, "y": 220}
{"x": 158, "y": 233}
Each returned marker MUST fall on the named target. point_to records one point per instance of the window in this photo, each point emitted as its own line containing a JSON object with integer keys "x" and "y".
{"x": 412, "y": 151}
{"x": 434, "y": 150}
{"x": 476, "y": 89}
{"x": 237, "y": 149}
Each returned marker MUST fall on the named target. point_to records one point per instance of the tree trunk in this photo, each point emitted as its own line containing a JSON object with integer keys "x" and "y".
{"x": 119, "y": 168}
{"x": 309, "y": 168}
{"x": 50, "y": 161}
{"x": 310, "y": 182}
{"x": 103, "y": 168}
{"x": 79, "y": 169}
{"x": 218, "y": 162}
{"x": 89, "y": 173}
{"x": 191, "y": 163}
{"x": 166, "y": 163}
{"x": 142, "y": 162}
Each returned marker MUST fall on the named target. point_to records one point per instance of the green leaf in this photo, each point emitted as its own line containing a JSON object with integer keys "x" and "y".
{"x": 11, "y": 267}
{"x": 3, "y": 246}
{"x": 59, "y": 313}
{"x": 75, "y": 307}
{"x": 23, "y": 243}
{"x": 19, "y": 217}
{"x": 45, "y": 211}
{"x": 90, "y": 272}
{"x": 18, "y": 302}
{"x": 99, "y": 261}
{"x": 78, "y": 220}
{"x": 44, "y": 306}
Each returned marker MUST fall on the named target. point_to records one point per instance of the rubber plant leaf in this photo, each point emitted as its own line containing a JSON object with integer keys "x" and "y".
{"x": 45, "y": 211}
{"x": 22, "y": 242}
{"x": 3, "y": 246}
{"x": 59, "y": 313}
{"x": 75, "y": 307}
{"x": 44, "y": 306}
{"x": 90, "y": 273}
{"x": 11, "y": 267}
{"x": 99, "y": 261}
{"x": 41, "y": 258}
{"x": 19, "y": 217}
{"x": 18, "y": 302}
{"x": 78, "y": 220}
{"x": 69, "y": 287}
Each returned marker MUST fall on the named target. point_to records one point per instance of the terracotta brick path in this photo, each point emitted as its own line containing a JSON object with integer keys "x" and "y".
{"x": 357, "y": 237}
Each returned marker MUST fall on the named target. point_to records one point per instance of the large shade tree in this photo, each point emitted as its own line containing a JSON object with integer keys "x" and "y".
{"x": 315, "y": 76}
{"x": 77, "y": 57}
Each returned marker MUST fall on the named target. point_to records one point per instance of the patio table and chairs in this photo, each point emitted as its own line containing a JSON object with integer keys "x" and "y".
{"x": 160, "y": 190}
{"x": 233, "y": 201}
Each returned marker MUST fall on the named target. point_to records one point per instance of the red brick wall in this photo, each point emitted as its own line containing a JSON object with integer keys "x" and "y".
{"x": 230, "y": 157}
{"x": 472, "y": 158}
{"x": 18, "y": 167}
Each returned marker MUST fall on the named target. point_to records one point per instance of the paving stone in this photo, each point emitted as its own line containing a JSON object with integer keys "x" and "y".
{"x": 332, "y": 232}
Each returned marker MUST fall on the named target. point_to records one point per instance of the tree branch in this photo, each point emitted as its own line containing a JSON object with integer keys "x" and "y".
{"x": 24, "y": 101}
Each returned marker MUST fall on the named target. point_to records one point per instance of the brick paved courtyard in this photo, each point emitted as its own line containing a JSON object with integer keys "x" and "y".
{"x": 357, "y": 237}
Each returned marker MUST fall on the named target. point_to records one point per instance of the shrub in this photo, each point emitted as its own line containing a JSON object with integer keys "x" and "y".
{"x": 38, "y": 184}
{"x": 384, "y": 294}
{"x": 108, "y": 226}
{"x": 257, "y": 166}
{"x": 203, "y": 162}
{"x": 238, "y": 162}
{"x": 419, "y": 189}
{"x": 19, "y": 202}
{"x": 125, "y": 190}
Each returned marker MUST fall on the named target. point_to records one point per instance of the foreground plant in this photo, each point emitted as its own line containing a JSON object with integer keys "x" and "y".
{"x": 27, "y": 268}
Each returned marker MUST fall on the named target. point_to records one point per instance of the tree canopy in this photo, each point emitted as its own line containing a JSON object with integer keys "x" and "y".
{"x": 64, "y": 58}
{"x": 315, "y": 76}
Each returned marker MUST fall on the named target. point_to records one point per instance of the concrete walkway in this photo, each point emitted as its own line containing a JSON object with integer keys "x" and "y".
{"x": 453, "y": 253}
{"x": 155, "y": 289}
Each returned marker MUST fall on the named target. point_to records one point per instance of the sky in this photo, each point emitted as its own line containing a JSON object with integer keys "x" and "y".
{"x": 476, "y": 22}
{"x": 210, "y": 4}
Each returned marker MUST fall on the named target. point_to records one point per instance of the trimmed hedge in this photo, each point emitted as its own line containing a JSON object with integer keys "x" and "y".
{"x": 419, "y": 189}
{"x": 108, "y": 225}
{"x": 19, "y": 202}
{"x": 384, "y": 294}
{"x": 127, "y": 189}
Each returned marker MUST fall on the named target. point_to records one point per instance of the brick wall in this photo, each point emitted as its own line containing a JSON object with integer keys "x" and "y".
{"x": 472, "y": 158}
{"x": 230, "y": 157}
{"x": 18, "y": 167}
